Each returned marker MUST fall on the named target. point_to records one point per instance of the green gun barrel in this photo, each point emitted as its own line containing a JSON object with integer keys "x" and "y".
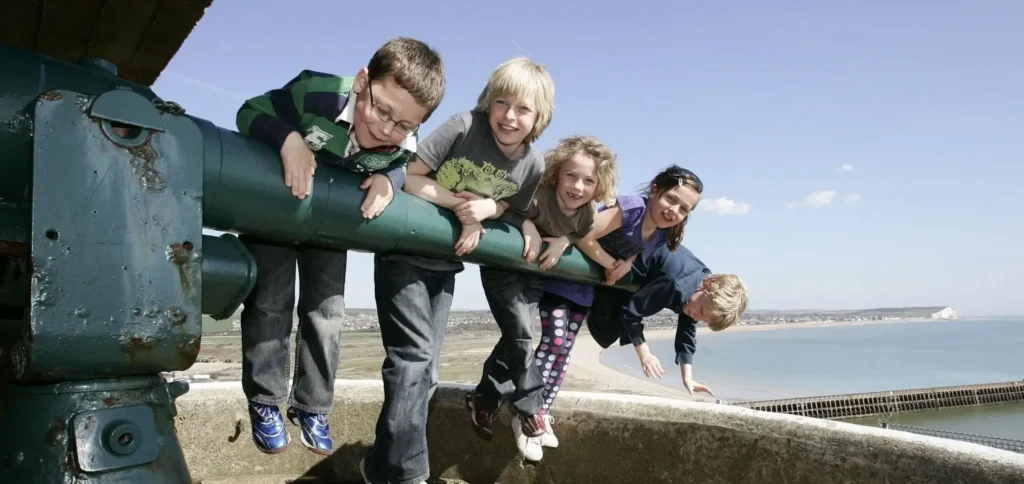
{"x": 244, "y": 192}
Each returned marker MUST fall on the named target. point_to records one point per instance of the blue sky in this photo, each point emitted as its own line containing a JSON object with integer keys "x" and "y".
{"x": 854, "y": 154}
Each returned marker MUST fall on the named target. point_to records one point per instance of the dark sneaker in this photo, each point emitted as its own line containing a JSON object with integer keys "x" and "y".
{"x": 480, "y": 417}
{"x": 268, "y": 430}
{"x": 533, "y": 426}
{"x": 316, "y": 433}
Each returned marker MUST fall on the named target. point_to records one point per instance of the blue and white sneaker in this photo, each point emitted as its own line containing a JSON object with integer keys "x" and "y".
{"x": 268, "y": 429}
{"x": 316, "y": 433}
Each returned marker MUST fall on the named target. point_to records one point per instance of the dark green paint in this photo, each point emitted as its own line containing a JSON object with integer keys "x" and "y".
{"x": 229, "y": 273}
{"x": 49, "y": 432}
{"x": 244, "y": 192}
{"x": 116, "y": 239}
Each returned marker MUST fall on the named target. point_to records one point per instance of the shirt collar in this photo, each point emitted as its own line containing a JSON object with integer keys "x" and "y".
{"x": 348, "y": 115}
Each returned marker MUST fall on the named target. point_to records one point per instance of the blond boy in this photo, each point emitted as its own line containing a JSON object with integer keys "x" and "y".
{"x": 675, "y": 280}
{"x": 482, "y": 165}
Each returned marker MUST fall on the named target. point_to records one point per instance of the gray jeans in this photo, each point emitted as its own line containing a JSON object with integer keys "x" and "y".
{"x": 509, "y": 373}
{"x": 412, "y": 307}
{"x": 267, "y": 326}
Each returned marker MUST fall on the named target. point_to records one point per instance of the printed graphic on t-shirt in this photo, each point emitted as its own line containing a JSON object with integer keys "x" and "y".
{"x": 316, "y": 138}
{"x": 485, "y": 180}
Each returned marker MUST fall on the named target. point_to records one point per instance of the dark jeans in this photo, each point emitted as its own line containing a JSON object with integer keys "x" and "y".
{"x": 267, "y": 326}
{"x": 509, "y": 373}
{"x": 412, "y": 307}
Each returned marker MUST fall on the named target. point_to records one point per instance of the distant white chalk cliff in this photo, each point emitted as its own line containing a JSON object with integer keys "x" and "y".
{"x": 946, "y": 313}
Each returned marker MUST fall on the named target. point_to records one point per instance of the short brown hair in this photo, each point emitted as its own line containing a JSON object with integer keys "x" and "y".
{"x": 414, "y": 66}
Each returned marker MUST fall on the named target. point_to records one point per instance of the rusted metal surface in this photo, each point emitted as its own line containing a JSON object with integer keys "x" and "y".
{"x": 14, "y": 249}
{"x": 120, "y": 274}
{"x": 76, "y": 432}
{"x": 139, "y": 36}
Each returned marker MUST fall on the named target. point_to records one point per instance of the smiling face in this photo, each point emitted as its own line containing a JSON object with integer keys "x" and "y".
{"x": 577, "y": 181}
{"x": 512, "y": 119}
{"x": 671, "y": 206}
{"x": 385, "y": 113}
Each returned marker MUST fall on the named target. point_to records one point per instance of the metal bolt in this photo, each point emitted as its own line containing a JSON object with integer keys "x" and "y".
{"x": 121, "y": 438}
{"x": 15, "y": 459}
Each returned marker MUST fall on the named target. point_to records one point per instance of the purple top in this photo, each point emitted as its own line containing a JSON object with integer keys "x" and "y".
{"x": 625, "y": 241}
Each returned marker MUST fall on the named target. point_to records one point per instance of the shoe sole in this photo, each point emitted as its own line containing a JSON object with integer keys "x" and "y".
{"x": 270, "y": 451}
{"x": 481, "y": 431}
{"x": 314, "y": 449}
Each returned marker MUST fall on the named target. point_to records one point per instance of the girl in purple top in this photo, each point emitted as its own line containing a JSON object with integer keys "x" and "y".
{"x": 621, "y": 231}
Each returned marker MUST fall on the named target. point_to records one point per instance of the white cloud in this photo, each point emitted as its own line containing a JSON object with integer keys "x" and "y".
{"x": 845, "y": 168}
{"x": 853, "y": 198}
{"x": 815, "y": 199}
{"x": 724, "y": 206}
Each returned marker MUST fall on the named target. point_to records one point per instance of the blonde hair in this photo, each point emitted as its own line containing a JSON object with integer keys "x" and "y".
{"x": 604, "y": 159}
{"x": 522, "y": 78}
{"x": 728, "y": 295}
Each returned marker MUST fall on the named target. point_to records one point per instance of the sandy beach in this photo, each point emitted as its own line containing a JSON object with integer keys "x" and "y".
{"x": 466, "y": 348}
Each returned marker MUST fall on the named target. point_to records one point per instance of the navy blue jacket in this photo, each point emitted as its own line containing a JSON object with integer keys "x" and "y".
{"x": 667, "y": 281}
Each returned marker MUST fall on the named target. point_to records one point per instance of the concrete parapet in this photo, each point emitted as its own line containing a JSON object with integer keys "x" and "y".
{"x": 604, "y": 438}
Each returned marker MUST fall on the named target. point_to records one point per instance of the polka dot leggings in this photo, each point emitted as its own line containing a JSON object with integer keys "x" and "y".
{"x": 560, "y": 320}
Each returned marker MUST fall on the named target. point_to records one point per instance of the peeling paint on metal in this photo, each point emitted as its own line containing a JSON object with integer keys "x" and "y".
{"x": 51, "y": 96}
{"x": 42, "y": 292}
{"x": 137, "y": 347}
{"x": 187, "y": 260}
{"x": 57, "y": 433}
{"x": 143, "y": 163}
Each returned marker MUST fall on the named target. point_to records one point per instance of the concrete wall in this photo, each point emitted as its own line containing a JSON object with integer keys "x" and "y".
{"x": 604, "y": 438}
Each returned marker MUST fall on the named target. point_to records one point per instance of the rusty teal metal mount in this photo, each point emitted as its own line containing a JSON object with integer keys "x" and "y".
{"x": 118, "y": 267}
{"x": 97, "y": 431}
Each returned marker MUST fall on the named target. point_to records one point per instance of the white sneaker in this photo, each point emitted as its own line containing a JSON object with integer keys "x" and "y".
{"x": 528, "y": 446}
{"x": 549, "y": 439}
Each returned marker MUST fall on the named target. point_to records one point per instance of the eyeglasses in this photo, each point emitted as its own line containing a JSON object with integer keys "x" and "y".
{"x": 402, "y": 128}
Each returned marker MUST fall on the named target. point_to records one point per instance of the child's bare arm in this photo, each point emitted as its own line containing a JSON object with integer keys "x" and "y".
{"x": 650, "y": 363}
{"x": 685, "y": 347}
{"x": 604, "y": 223}
{"x": 418, "y": 184}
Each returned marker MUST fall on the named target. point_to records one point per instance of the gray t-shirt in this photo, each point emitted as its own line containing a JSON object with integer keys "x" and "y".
{"x": 551, "y": 221}
{"x": 466, "y": 158}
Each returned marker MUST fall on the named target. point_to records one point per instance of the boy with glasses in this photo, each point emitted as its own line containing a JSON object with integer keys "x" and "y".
{"x": 366, "y": 124}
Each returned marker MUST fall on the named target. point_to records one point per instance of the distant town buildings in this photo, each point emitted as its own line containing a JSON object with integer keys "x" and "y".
{"x": 366, "y": 320}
